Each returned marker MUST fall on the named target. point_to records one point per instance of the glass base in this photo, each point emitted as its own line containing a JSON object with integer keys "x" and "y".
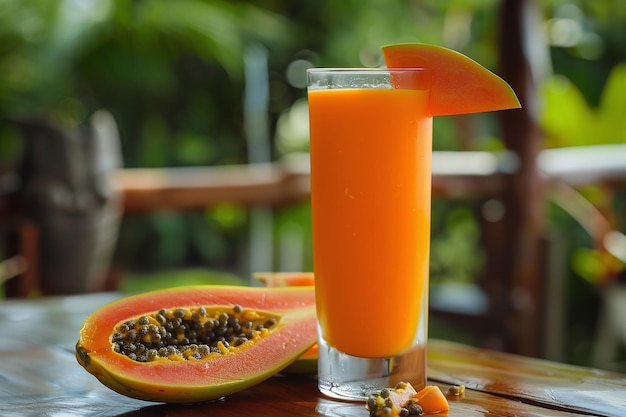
{"x": 351, "y": 378}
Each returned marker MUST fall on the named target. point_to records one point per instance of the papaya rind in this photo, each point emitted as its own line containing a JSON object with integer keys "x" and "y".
{"x": 197, "y": 381}
{"x": 459, "y": 85}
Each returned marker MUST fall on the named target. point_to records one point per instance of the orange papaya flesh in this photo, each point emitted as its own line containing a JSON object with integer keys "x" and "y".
{"x": 431, "y": 400}
{"x": 285, "y": 279}
{"x": 458, "y": 84}
{"x": 201, "y": 375}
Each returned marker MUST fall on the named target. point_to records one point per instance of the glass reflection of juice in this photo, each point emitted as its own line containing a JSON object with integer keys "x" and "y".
{"x": 371, "y": 188}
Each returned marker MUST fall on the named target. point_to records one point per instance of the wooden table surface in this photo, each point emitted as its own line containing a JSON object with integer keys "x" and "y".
{"x": 39, "y": 376}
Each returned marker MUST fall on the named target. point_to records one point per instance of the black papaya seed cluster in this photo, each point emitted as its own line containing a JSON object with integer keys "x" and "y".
{"x": 188, "y": 333}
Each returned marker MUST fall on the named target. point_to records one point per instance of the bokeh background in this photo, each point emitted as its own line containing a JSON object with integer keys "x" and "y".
{"x": 178, "y": 77}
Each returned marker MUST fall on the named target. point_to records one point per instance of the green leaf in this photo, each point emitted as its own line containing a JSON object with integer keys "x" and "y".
{"x": 612, "y": 110}
{"x": 567, "y": 119}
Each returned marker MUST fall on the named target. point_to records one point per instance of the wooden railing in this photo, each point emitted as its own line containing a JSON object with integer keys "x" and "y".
{"x": 456, "y": 175}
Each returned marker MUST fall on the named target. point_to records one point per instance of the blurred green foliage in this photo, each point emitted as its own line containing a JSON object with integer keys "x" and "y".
{"x": 568, "y": 119}
{"x": 172, "y": 74}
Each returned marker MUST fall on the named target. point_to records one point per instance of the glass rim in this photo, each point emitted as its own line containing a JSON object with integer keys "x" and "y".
{"x": 363, "y": 69}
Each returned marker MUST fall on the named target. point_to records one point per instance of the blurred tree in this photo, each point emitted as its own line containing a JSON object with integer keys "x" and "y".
{"x": 171, "y": 72}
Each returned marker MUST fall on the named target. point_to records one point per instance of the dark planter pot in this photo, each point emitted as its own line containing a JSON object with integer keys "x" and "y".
{"x": 67, "y": 192}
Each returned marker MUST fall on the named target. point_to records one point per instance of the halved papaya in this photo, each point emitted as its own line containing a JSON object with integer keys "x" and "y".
{"x": 458, "y": 84}
{"x": 193, "y": 344}
{"x": 306, "y": 364}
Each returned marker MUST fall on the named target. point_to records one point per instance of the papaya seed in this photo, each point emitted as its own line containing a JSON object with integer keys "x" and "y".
{"x": 371, "y": 402}
{"x": 131, "y": 336}
{"x": 223, "y": 318}
{"x": 415, "y": 409}
{"x": 239, "y": 341}
{"x": 456, "y": 391}
{"x": 188, "y": 333}
{"x": 401, "y": 385}
{"x": 143, "y": 331}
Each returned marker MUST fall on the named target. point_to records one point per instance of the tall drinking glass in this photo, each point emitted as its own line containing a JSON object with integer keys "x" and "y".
{"x": 371, "y": 151}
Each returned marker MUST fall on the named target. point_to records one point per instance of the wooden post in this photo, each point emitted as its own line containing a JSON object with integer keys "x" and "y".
{"x": 514, "y": 270}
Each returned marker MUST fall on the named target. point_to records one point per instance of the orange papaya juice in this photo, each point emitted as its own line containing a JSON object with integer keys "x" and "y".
{"x": 370, "y": 194}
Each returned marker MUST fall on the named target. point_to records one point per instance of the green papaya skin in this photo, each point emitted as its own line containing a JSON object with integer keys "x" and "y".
{"x": 293, "y": 332}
